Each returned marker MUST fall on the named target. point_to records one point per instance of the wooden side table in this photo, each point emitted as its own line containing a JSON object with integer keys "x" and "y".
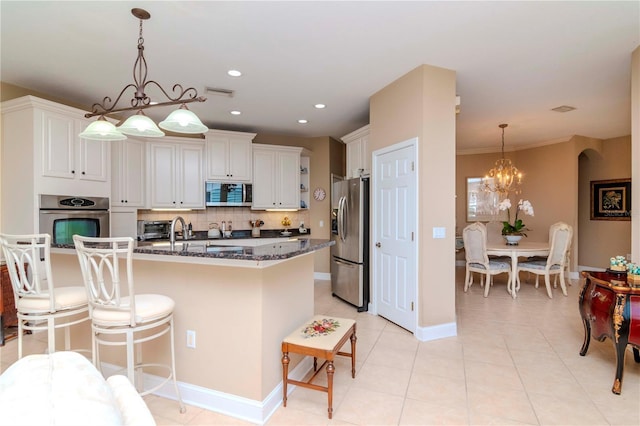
{"x": 609, "y": 307}
{"x": 8, "y": 313}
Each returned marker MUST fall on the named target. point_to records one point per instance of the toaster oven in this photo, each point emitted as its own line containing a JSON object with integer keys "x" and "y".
{"x": 153, "y": 229}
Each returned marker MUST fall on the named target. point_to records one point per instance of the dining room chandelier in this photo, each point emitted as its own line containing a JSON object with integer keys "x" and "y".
{"x": 179, "y": 121}
{"x": 504, "y": 177}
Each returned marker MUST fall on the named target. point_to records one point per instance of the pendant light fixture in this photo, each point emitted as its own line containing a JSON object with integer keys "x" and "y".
{"x": 504, "y": 177}
{"x": 180, "y": 121}
{"x": 102, "y": 130}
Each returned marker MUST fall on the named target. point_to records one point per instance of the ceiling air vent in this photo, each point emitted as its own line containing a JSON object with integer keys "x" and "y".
{"x": 563, "y": 108}
{"x": 218, "y": 91}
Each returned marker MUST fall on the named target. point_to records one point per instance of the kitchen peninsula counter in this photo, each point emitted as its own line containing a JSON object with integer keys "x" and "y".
{"x": 240, "y": 301}
{"x": 258, "y": 252}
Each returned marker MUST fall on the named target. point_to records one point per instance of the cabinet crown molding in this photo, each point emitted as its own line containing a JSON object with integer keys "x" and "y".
{"x": 356, "y": 134}
{"x": 31, "y": 101}
{"x": 217, "y": 132}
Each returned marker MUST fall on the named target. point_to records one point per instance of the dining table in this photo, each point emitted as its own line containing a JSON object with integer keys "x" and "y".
{"x": 522, "y": 249}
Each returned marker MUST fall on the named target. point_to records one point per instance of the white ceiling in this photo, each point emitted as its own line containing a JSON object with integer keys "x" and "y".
{"x": 514, "y": 60}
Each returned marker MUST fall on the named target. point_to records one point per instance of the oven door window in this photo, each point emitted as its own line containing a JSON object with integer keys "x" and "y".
{"x": 65, "y": 229}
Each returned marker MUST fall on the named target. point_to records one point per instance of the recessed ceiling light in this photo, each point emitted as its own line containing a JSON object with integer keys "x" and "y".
{"x": 234, "y": 73}
{"x": 563, "y": 108}
{"x": 320, "y": 106}
{"x": 235, "y": 112}
{"x": 302, "y": 121}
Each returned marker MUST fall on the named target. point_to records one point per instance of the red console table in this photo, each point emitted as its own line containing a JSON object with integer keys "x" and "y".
{"x": 609, "y": 307}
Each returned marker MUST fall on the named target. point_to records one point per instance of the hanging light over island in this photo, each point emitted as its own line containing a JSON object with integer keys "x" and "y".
{"x": 179, "y": 121}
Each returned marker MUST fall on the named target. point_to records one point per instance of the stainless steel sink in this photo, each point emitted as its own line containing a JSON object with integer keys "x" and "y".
{"x": 194, "y": 246}
{"x": 217, "y": 249}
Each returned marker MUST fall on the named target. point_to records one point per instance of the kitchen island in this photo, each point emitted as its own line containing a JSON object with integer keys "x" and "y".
{"x": 240, "y": 301}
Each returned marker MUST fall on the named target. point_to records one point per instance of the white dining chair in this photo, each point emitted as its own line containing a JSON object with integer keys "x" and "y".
{"x": 477, "y": 260}
{"x": 40, "y": 305}
{"x": 119, "y": 316}
{"x": 555, "y": 263}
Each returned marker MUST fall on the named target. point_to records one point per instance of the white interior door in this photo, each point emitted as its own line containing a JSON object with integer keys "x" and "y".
{"x": 394, "y": 240}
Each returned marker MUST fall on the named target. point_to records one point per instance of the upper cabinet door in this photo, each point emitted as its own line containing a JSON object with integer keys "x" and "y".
{"x": 127, "y": 173}
{"x": 229, "y": 156}
{"x": 93, "y": 164}
{"x": 289, "y": 179}
{"x": 240, "y": 160}
{"x": 191, "y": 178}
{"x": 264, "y": 184}
{"x": 58, "y": 145}
{"x": 162, "y": 175}
{"x": 358, "y": 155}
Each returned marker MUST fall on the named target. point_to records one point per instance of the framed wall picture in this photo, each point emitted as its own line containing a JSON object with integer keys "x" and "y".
{"x": 482, "y": 206}
{"x": 611, "y": 199}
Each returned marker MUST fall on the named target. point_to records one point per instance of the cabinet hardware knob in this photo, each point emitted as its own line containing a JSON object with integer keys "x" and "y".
{"x": 73, "y": 172}
{"x": 83, "y": 173}
{"x": 378, "y": 245}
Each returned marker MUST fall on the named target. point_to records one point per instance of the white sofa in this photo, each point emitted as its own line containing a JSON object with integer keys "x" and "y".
{"x": 64, "y": 388}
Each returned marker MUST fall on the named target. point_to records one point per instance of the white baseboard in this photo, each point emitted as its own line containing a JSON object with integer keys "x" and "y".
{"x": 257, "y": 412}
{"x": 435, "y": 332}
{"x": 587, "y": 268}
{"x": 324, "y": 276}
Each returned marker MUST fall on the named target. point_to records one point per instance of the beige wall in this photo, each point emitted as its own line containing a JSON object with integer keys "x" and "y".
{"x": 422, "y": 104}
{"x": 601, "y": 239}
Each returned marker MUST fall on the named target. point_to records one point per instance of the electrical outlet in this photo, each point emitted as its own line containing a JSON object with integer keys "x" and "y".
{"x": 191, "y": 339}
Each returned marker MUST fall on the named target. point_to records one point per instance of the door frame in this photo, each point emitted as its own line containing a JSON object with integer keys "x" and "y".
{"x": 374, "y": 218}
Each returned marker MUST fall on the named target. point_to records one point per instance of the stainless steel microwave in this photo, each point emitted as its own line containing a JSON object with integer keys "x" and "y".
{"x": 228, "y": 194}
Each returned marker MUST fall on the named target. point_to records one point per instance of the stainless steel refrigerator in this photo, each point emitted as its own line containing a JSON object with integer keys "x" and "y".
{"x": 350, "y": 231}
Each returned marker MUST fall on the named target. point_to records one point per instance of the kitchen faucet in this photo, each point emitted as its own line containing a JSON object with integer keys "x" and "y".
{"x": 172, "y": 231}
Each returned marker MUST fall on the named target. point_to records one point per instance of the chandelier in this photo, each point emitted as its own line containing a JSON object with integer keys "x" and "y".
{"x": 504, "y": 176}
{"x": 180, "y": 121}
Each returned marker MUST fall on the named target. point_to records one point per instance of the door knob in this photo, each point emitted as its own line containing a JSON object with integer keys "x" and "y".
{"x": 378, "y": 245}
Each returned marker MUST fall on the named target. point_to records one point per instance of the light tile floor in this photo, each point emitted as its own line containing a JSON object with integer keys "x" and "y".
{"x": 513, "y": 362}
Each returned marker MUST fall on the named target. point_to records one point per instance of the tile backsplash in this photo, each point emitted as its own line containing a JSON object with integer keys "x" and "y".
{"x": 240, "y": 216}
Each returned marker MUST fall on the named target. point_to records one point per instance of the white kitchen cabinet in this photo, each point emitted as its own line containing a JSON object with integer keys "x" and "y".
{"x": 176, "y": 174}
{"x": 43, "y": 154}
{"x": 358, "y": 155}
{"x": 229, "y": 156}
{"x": 65, "y": 155}
{"x": 276, "y": 177}
{"x": 128, "y": 164}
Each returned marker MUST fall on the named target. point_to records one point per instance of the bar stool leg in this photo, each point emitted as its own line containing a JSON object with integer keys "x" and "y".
{"x": 330, "y": 370}
{"x": 285, "y": 373}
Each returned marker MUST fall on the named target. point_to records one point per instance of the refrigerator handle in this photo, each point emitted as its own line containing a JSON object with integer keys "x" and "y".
{"x": 347, "y": 264}
{"x": 342, "y": 214}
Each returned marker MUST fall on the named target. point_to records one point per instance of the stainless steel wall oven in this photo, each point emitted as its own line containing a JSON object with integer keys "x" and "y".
{"x": 63, "y": 216}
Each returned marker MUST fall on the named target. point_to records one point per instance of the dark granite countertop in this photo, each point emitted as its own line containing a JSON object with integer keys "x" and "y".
{"x": 243, "y": 249}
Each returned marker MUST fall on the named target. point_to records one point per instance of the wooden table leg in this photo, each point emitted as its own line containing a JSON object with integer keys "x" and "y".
{"x": 353, "y": 353}
{"x": 285, "y": 374}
